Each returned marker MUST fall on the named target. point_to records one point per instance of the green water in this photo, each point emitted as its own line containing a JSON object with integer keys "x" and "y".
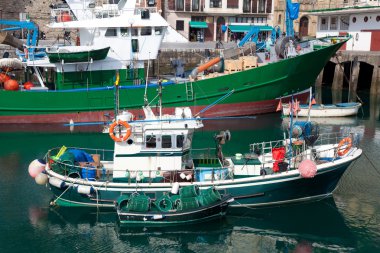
{"x": 348, "y": 222}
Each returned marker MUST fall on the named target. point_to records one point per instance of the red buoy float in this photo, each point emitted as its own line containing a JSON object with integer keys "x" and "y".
{"x": 11, "y": 85}
{"x": 28, "y": 85}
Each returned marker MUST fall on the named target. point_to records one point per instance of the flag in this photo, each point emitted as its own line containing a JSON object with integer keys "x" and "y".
{"x": 279, "y": 106}
{"x": 313, "y": 102}
{"x": 296, "y": 107}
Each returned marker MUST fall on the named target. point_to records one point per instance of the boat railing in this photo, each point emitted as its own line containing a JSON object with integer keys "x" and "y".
{"x": 65, "y": 14}
{"x": 319, "y": 148}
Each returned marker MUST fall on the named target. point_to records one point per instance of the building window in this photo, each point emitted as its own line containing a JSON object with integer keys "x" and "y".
{"x": 247, "y": 6}
{"x": 324, "y": 24}
{"x": 195, "y": 5}
{"x": 179, "y": 5}
{"x": 279, "y": 19}
{"x": 344, "y": 23}
{"x": 261, "y": 6}
{"x": 166, "y": 141}
{"x": 215, "y": 3}
{"x": 233, "y": 4}
{"x": 333, "y": 23}
{"x": 180, "y": 25}
{"x": 111, "y": 32}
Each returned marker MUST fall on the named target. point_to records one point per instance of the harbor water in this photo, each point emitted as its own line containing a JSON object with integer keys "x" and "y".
{"x": 347, "y": 222}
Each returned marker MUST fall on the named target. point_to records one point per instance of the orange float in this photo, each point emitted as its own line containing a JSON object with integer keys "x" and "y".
{"x": 345, "y": 142}
{"x": 11, "y": 85}
{"x": 119, "y": 138}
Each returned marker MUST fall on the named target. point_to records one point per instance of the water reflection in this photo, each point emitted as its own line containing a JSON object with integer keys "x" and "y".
{"x": 297, "y": 228}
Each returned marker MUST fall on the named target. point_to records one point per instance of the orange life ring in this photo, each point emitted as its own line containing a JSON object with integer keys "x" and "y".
{"x": 121, "y": 137}
{"x": 345, "y": 142}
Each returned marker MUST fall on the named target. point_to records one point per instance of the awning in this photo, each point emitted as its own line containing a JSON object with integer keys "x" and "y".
{"x": 198, "y": 24}
{"x": 247, "y": 28}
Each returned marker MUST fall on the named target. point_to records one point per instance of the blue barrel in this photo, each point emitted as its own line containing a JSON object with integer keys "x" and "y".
{"x": 88, "y": 173}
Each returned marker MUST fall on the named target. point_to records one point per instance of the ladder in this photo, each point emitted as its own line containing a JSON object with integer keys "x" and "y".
{"x": 189, "y": 91}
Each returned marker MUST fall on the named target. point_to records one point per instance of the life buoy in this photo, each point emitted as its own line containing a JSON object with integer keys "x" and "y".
{"x": 345, "y": 142}
{"x": 121, "y": 137}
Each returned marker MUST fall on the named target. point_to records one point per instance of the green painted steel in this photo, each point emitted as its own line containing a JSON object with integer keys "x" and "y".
{"x": 86, "y": 56}
{"x": 257, "y": 84}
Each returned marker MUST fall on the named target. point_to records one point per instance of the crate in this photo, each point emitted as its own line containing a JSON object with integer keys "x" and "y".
{"x": 233, "y": 65}
{"x": 249, "y": 62}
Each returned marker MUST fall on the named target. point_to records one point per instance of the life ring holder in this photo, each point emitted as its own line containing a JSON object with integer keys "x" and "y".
{"x": 344, "y": 142}
{"x": 121, "y": 138}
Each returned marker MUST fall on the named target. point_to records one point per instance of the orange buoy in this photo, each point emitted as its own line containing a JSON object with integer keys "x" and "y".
{"x": 11, "y": 85}
{"x": 344, "y": 146}
{"x": 120, "y": 138}
{"x": 28, "y": 85}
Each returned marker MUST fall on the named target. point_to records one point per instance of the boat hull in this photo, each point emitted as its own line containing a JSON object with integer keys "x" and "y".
{"x": 259, "y": 191}
{"x": 251, "y": 91}
{"x": 174, "y": 218}
{"x": 326, "y": 110}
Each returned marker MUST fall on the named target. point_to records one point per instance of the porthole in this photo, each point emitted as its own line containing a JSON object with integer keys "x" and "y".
{"x": 354, "y": 19}
{"x": 378, "y": 18}
{"x": 365, "y": 19}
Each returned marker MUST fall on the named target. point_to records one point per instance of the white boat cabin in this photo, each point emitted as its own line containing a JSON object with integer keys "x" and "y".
{"x": 156, "y": 144}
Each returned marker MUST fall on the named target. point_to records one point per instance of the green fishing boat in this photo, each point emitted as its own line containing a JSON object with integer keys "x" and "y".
{"x": 70, "y": 88}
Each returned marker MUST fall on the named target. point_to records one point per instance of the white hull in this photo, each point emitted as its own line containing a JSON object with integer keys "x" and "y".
{"x": 348, "y": 109}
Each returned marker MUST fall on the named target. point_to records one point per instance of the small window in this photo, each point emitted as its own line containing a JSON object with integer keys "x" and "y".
{"x": 158, "y": 30}
{"x": 146, "y": 31}
{"x": 354, "y": 20}
{"x": 324, "y": 24}
{"x": 111, "y": 32}
{"x": 180, "y": 25}
{"x": 135, "y": 31}
{"x": 135, "y": 45}
{"x": 150, "y": 141}
{"x": 333, "y": 23}
{"x": 378, "y": 18}
{"x": 180, "y": 139}
{"x": 166, "y": 141}
{"x": 365, "y": 19}
{"x": 279, "y": 19}
{"x": 124, "y": 32}
{"x": 344, "y": 22}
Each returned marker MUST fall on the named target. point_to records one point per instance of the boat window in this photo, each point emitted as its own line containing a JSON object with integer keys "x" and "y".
{"x": 158, "y": 30}
{"x": 145, "y": 31}
{"x": 111, "y": 32}
{"x": 135, "y": 31}
{"x": 180, "y": 139}
{"x": 135, "y": 45}
{"x": 124, "y": 32}
{"x": 150, "y": 141}
{"x": 166, "y": 141}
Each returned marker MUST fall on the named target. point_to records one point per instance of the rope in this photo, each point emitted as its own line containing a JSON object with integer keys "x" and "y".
{"x": 214, "y": 103}
{"x": 378, "y": 172}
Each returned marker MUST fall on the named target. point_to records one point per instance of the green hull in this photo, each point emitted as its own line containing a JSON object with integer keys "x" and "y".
{"x": 254, "y": 91}
{"x": 86, "y": 56}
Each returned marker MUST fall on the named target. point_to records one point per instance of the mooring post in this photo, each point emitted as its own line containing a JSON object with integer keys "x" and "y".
{"x": 338, "y": 77}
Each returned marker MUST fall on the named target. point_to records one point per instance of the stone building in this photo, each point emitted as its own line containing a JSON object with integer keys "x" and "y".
{"x": 203, "y": 20}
